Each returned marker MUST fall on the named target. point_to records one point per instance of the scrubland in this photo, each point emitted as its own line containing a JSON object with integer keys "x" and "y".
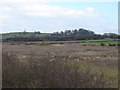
{"x": 59, "y": 66}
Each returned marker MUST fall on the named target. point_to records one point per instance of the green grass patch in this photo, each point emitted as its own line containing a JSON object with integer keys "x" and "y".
{"x": 20, "y": 34}
{"x": 111, "y": 41}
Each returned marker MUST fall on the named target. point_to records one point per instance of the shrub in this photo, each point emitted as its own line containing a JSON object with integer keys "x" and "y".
{"x": 47, "y": 73}
{"x": 102, "y": 44}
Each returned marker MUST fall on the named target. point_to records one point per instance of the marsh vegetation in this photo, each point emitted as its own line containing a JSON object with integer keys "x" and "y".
{"x": 59, "y": 66}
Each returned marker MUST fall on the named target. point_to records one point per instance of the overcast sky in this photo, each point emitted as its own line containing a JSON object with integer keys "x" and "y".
{"x": 58, "y": 15}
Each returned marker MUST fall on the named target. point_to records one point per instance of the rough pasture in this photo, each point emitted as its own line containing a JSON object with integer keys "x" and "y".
{"x": 61, "y": 65}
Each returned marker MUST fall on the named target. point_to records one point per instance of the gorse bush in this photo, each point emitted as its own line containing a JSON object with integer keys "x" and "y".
{"x": 47, "y": 72}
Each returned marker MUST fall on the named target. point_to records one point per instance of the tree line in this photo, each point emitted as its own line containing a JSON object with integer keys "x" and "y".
{"x": 67, "y": 35}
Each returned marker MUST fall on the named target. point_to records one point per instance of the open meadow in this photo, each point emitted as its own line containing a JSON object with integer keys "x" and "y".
{"x": 59, "y": 65}
{"x": 60, "y": 44}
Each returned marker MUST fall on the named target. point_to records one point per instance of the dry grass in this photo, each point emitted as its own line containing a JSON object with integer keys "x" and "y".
{"x": 59, "y": 67}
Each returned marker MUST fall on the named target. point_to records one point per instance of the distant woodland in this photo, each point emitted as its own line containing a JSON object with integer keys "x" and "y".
{"x": 67, "y": 35}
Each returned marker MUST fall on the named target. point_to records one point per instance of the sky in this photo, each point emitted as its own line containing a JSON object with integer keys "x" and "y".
{"x": 49, "y": 16}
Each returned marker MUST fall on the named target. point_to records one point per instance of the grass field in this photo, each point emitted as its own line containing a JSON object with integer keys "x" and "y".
{"x": 103, "y": 41}
{"x": 20, "y": 34}
{"x": 59, "y": 66}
